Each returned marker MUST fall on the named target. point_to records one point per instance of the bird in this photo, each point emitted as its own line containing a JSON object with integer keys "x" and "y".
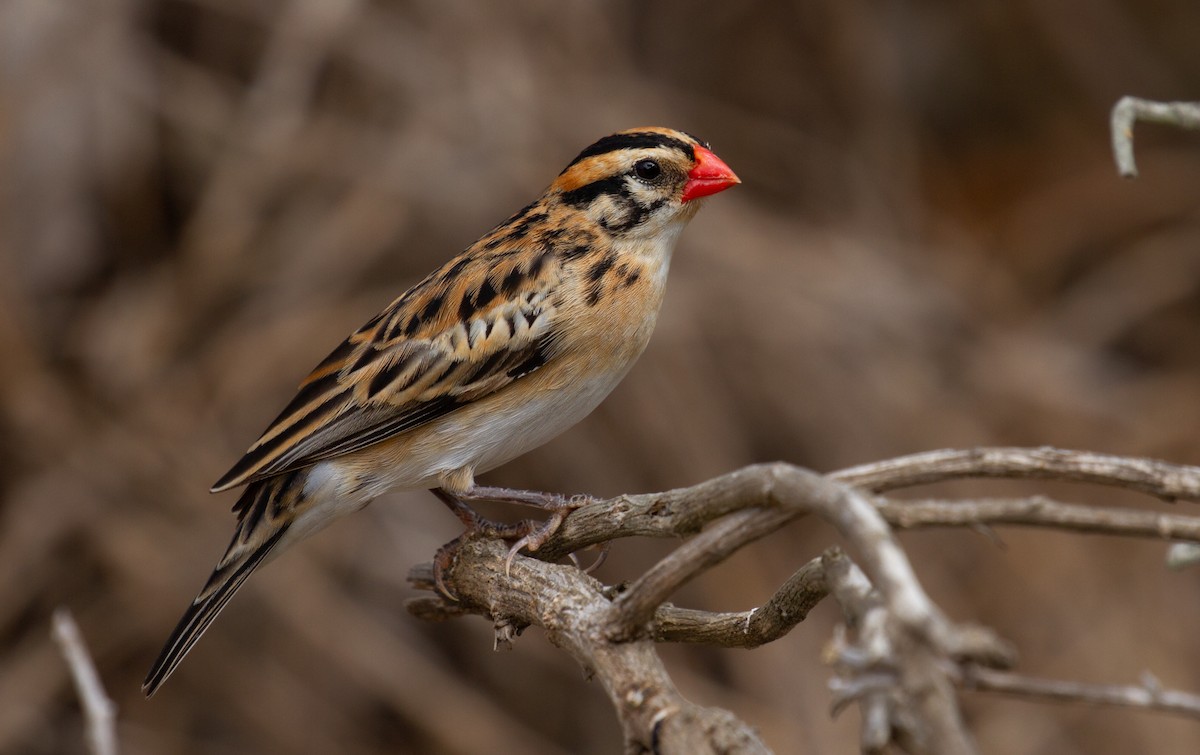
{"x": 496, "y": 352}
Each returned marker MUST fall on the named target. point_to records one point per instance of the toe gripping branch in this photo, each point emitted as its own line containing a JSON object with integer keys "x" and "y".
{"x": 527, "y": 534}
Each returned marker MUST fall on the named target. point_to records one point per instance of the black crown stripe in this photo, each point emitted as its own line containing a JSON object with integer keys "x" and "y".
{"x": 635, "y": 140}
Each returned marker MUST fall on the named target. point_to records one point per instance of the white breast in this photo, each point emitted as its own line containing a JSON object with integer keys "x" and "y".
{"x": 483, "y": 439}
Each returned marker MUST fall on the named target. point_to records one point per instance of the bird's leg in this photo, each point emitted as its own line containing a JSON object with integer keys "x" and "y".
{"x": 471, "y": 519}
{"x": 535, "y": 498}
{"x": 526, "y": 534}
{"x": 475, "y": 524}
{"x": 536, "y": 533}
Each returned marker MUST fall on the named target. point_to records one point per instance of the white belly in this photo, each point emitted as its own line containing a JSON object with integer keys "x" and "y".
{"x": 481, "y": 440}
{"x": 471, "y": 440}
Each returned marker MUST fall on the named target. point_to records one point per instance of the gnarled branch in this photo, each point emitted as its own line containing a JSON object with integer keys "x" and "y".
{"x": 901, "y": 659}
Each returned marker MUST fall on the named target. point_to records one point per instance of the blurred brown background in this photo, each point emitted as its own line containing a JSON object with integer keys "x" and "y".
{"x": 199, "y": 198}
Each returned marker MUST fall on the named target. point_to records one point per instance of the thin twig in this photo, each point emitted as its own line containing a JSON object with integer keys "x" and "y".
{"x": 685, "y": 511}
{"x": 1149, "y": 695}
{"x": 790, "y": 492}
{"x": 1129, "y": 110}
{"x": 1162, "y": 479}
{"x": 99, "y": 711}
{"x": 1038, "y": 511}
{"x": 637, "y": 604}
{"x": 746, "y": 629}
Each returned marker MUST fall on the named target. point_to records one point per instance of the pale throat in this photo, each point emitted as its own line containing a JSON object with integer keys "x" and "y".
{"x": 653, "y": 252}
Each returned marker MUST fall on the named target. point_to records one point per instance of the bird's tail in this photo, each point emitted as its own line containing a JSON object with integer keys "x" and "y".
{"x": 265, "y": 512}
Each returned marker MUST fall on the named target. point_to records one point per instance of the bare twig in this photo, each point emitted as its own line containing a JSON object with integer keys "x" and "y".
{"x": 685, "y": 511}
{"x": 1157, "y": 478}
{"x": 746, "y": 629}
{"x": 1149, "y": 695}
{"x": 636, "y": 605}
{"x": 99, "y": 712}
{"x": 795, "y": 490}
{"x": 1040, "y": 512}
{"x": 1129, "y": 110}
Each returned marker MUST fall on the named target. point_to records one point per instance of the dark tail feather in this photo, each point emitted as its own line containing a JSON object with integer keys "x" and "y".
{"x": 203, "y": 610}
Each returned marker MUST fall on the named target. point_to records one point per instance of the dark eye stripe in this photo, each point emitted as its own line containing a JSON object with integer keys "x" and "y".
{"x": 585, "y": 194}
{"x": 635, "y": 140}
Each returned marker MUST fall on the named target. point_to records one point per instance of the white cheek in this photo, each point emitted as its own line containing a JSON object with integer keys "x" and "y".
{"x": 643, "y": 194}
{"x": 604, "y": 206}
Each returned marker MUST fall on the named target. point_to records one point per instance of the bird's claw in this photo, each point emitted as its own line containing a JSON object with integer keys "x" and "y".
{"x": 443, "y": 561}
{"x": 535, "y": 538}
{"x": 539, "y": 534}
{"x": 528, "y": 534}
{"x": 601, "y": 557}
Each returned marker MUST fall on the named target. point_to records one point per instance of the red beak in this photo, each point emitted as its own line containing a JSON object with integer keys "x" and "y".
{"x": 710, "y": 175}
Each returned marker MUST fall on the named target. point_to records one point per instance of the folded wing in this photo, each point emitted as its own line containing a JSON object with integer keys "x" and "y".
{"x": 465, "y": 332}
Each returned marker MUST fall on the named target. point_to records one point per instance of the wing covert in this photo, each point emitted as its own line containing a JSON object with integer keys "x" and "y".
{"x": 463, "y": 333}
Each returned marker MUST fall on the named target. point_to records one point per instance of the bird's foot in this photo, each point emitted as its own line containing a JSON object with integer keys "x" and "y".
{"x": 559, "y": 506}
{"x": 476, "y": 524}
{"x": 527, "y": 534}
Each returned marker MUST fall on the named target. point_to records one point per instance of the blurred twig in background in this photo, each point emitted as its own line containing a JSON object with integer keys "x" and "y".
{"x": 1129, "y": 110}
{"x": 1148, "y": 695}
{"x": 99, "y": 711}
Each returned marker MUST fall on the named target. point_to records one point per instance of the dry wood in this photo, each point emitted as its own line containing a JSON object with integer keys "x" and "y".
{"x": 899, "y": 658}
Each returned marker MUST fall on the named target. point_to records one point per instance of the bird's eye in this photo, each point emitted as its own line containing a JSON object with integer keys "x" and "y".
{"x": 647, "y": 170}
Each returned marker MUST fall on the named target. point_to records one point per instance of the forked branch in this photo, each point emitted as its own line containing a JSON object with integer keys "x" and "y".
{"x": 899, "y": 658}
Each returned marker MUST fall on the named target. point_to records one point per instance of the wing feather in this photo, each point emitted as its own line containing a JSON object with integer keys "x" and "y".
{"x": 468, "y": 330}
